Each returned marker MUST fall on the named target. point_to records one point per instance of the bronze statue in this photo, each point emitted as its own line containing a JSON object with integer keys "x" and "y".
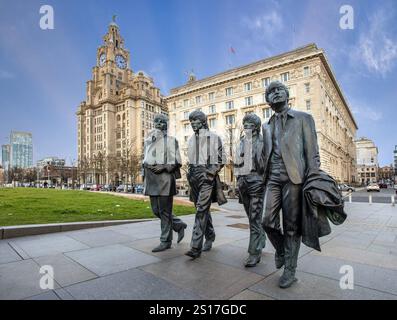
{"x": 290, "y": 154}
{"x": 206, "y": 158}
{"x": 162, "y": 162}
{"x": 251, "y": 184}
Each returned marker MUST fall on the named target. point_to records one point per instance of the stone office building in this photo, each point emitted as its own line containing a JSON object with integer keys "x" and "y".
{"x": 367, "y": 161}
{"x": 116, "y": 115}
{"x": 226, "y": 97}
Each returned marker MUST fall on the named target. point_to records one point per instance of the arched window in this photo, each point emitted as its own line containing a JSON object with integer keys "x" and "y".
{"x": 118, "y": 117}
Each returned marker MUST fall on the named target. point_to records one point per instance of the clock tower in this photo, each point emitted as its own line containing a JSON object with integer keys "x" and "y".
{"x": 116, "y": 115}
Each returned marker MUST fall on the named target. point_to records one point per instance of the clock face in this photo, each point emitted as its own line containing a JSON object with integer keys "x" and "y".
{"x": 120, "y": 62}
{"x": 102, "y": 59}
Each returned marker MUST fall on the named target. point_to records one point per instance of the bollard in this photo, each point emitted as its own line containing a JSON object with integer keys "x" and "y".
{"x": 350, "y": 198}
{"x": 393, "y": 202}
{"x": 370, "y": 199}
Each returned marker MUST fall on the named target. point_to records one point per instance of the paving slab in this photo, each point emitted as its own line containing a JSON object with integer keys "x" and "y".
{"x": 360, "y": 256}
{"x": 234, "y": 256}
{"x": 207, "y": 278}
{"x": 100, "y": 237}
{"x": 250, "y": 295}
{"x": 146, "y": 245}
{"x": 20, "y": 280}
{"x": 66, "y": 271}
{"x": 368, "y": 276}
{"x": 48, "y": 245}
{"x": 7, "y": 253}
{"x": 312, "y": 287}
{"x": 111, "y": 259}
{"x": 133, "y": 284}
{"x": 50, "y": 295}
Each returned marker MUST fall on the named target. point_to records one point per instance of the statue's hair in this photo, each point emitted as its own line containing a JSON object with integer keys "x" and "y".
{"x": 161, "y": 117}
{"x": 199, "y": 115}
{"x": 252, "y": 117}
{"x": 275, "y": 84}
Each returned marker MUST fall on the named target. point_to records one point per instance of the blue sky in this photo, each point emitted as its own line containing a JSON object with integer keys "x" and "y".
{"x": 43, "y": 73}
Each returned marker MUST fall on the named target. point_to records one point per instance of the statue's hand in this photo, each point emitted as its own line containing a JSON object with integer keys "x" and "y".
{"x": 157, "y": 169}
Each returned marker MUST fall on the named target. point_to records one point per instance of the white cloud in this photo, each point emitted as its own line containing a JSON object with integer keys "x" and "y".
{"x": 4, "y": 74}
{"x": 265, "y": 25}
{"x": 365, "y": 112}
{"x": 376, "y": 48}
{"x": 158, "y": 73}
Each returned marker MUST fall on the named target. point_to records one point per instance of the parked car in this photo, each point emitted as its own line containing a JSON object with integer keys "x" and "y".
{"x": 96, "y": 187}
{"x": 122, "y": 188}
{"x": 373, "y": 187}
{"x": 108, "y": 187}
{"x": 383, "y": 185}
{"x": 138, "y": 188}
{"x": 346, "y": 187}
{"x": 86, "y": 186}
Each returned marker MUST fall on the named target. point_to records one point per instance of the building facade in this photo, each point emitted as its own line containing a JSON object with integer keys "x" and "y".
{"x": 52, "y": 161}
{"x": 395, "y": 163}
{"x": 115, "y": 117}
{"x": 367, "y": 161}
{"x": 386, "y": 174}
{"x": 2, "y": 176}
{"x": 228, "y": 96}
{"x": 19, "y": 153}
{"x": 5, "y": 156}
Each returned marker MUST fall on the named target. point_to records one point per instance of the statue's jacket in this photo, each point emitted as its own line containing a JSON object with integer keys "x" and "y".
{"x": 322, "y": 201}
{"x": 211, "y": 156}
{"x": 247, "y": 166}
{"x": 299, "y": 148}
{"x": 161, "y": 150}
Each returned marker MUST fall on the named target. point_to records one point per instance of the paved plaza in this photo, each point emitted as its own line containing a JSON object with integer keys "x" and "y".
{"x": 117, "y": 263}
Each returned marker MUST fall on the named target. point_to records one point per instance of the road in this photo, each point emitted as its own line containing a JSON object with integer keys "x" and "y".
{"x": 384, "y": 196}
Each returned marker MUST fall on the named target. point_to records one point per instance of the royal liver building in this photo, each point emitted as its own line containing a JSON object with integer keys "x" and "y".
{"x": 116, "y": 116}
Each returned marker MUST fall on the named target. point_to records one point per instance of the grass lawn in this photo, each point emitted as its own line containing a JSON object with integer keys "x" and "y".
{"x": 32, "y": 206}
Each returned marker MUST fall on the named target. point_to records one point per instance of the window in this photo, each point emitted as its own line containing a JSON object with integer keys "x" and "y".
{"x": 248, "y": 101}
{"x": 186, "y": 127}
{"x": 285, "y": 77}
{"x": 229, "y": 91}
{"x": 247, "y": 86}
{"x": 308, "y": 105}
{"x": 229, "y": 105}
{"x": 307, "y": 87}
{"x": 264, "y": 98}
{"x": 198, "y": 99}
{"x": 186, "y": 115}
{"x": 211, "y": 96}
{"x": 306, "y": 71}
{"x": 212, "y": 123}
{"x": 267, "y": 113}
{"x": 186, "y": 103}
{"x": 230, "y": 119}
{"x": 212, "y": 109}
{"x": 265, "y": 82}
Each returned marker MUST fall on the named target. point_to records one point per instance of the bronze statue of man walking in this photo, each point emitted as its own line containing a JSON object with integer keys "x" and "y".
{"x": 290, "y": 153}
{"x": 251, "y": 184}
{"x": 162, "y": 162}
{"x": 206, "y": 158}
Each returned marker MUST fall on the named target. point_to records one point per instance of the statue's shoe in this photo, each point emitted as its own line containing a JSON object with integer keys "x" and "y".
{"x": 279, "y": 260}
{"x": 161, "y": 247}
{"x": 287, "y": 279}
{"x": 193, "y": 253}
{"x": 207, "y": 245}
{"x": 181, "y": 233}
{"x": 252, "y": 260}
